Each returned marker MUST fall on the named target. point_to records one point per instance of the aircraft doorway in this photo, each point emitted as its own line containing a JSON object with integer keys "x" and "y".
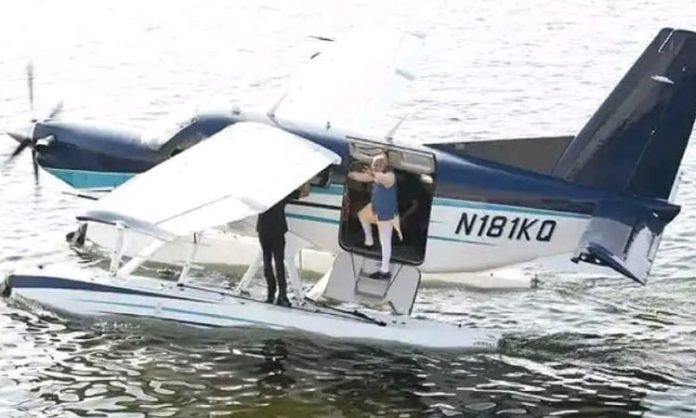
{"x": 415, "y": 182}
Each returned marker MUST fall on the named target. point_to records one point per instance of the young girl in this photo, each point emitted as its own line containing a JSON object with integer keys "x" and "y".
{"x": 382, "y": 209}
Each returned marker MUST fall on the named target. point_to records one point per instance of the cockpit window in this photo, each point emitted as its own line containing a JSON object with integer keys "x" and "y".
{"x": 163, "y": 130}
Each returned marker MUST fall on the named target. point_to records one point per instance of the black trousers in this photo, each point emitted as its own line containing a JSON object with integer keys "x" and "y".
{"x": 274, "y": 250}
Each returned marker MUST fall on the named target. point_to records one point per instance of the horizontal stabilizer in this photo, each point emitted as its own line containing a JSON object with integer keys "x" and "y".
{"x": 624, "y": 236}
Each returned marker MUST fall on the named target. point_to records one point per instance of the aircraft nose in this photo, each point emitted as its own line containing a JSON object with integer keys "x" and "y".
{"x": 22, "y": 133}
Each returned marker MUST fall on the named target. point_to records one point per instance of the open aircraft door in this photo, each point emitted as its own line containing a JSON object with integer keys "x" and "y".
{"x": 349, "y": 280}
{"x": 415, "y": 172}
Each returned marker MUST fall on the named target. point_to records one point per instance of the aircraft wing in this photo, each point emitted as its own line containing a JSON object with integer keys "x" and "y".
{"x": 352, "y": 82}
{"x": 239, "y": 172}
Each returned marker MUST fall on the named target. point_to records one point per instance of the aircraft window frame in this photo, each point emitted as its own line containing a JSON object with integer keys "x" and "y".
{"x": 365, "y": 150}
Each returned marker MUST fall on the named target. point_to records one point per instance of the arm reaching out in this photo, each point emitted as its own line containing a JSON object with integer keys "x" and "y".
{"x": 386, "y": 179}
{"x": 365, "y": 176}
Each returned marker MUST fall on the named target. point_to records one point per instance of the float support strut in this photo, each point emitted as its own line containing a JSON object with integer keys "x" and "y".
{"x": 189, "y": 259}
{"x": 117, "y": 251}
{"x": 249, "y": 274}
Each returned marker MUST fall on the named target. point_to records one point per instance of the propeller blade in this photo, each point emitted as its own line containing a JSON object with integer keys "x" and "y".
{"x": 19, "y": 137}
{"x": 22, "y": 145}
{"x": 30, "y": 85}
{"x": 57, "y": 110}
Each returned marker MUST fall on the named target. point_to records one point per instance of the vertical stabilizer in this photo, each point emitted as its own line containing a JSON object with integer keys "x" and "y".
{"x": 635, "y": 141}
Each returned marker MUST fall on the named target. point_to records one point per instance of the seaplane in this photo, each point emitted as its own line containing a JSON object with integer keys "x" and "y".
{"x": 602, "y": 197}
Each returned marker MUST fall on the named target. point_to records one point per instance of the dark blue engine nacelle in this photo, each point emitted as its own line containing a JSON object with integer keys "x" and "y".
{"x": 89, "y": 156}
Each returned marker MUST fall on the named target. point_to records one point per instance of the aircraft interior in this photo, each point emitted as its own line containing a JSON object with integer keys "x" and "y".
{"x": 415, "y": 190}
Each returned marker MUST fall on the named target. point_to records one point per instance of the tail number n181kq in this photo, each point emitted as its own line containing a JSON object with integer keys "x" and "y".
{"x": 500, "y": 226}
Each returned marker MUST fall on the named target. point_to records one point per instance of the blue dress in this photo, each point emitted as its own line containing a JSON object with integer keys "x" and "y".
{"x": 384, "y": 202}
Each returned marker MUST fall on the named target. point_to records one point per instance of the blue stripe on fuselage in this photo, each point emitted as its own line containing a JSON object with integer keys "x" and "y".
{"x": 313, "y": 218}
{"x": 83, "y": 179}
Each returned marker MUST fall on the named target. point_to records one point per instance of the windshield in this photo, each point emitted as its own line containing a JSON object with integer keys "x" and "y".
{"x": 166, "y": 127}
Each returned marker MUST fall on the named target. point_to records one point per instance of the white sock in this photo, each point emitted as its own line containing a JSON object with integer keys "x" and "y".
{"x": 385, "y": 238}
{"x": 367, "y": 230}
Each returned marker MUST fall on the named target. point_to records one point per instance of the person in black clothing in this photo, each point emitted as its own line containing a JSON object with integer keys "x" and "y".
{"x": 271, "y": 226}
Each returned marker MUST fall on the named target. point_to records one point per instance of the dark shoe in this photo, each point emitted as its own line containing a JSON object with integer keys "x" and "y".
{"x": 283, "y": 301}
{"x": 378, "y": 275}
{"x": 364, "y": 246}
{"x": 270, "y": 298}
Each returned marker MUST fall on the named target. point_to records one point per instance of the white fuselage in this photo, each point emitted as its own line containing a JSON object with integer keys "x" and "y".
{"x": 463, "y": 236}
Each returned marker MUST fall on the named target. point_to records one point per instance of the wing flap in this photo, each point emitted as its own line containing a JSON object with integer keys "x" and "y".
{"x": 239, "y": 172}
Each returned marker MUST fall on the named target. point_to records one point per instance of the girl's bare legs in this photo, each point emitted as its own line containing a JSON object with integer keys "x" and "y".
{"x": 365, "y": 216}
{"x": 385, "y": 239}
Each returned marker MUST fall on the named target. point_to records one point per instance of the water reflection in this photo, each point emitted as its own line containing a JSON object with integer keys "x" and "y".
{"x": 156, "y": 369}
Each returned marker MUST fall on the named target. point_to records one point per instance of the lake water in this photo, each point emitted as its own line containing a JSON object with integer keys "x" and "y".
{"x": 576, "y": 346}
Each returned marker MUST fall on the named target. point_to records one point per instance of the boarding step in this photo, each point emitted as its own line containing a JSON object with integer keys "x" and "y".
{"x": 349, "y": 281}
{"x": 367, "y": 286}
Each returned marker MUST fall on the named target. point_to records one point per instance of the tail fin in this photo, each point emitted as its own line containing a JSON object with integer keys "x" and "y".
{"x": 635, "y": 141}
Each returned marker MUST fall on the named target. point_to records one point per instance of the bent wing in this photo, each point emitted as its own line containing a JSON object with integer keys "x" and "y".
{"x": 353, "y": 80}
{"x": 239, "y": 172}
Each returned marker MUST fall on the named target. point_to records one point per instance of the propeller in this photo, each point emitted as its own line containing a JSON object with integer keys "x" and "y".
{"x": 25, "y": 134}
{"x": 25, "y": 141}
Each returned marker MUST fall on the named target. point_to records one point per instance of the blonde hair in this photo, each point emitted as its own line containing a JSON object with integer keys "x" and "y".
{"x": 381, "y": 158}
